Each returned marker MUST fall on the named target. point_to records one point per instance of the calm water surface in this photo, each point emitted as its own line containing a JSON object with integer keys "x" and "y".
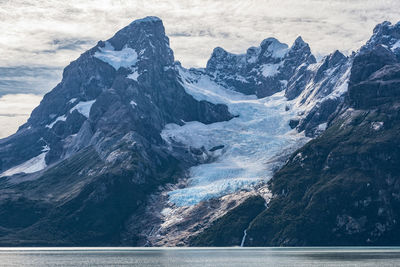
{"x": 337, "y": 256}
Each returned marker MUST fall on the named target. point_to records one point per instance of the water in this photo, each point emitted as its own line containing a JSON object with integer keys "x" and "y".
{"x": 337, "y": 256}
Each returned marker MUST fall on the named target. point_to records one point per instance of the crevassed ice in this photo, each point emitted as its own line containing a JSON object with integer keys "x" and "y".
{"x": 126, "y": 57}
{"x": 253, "y": 142}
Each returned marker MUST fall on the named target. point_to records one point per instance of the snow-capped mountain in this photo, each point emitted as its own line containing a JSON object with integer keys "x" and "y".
{"x": 131, "y": 148}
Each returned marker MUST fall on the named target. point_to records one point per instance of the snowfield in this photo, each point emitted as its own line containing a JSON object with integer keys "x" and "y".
{"x": 127, "y": 57}
{"x": 35, "y": 164}
{"x": 254, "y": 142}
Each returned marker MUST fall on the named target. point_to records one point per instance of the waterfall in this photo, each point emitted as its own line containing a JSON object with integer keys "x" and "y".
{"x": 244, "y": 237}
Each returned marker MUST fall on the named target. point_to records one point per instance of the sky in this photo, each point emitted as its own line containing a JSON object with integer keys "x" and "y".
{"x": 39, "y": 38}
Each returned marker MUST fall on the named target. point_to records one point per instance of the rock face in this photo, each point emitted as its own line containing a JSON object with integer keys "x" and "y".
{"x": 93, "y": 166}
{"x": 263, "y": 70}
{"x": 95, "y": 141}
{"x": 342, "y": 187}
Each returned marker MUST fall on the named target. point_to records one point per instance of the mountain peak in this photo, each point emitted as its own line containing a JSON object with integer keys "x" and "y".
{"x": 381, "y": 26}
{"x": 146, "y": 20}
{"x": 147, "y": 37}
{"x": 299, "y": 41}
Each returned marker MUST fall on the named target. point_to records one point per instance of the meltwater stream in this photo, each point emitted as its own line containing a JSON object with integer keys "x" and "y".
{"x": 253, "y": 142}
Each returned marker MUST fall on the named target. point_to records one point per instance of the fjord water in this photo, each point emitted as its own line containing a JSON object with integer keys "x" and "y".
{"x": 333, "y": 256}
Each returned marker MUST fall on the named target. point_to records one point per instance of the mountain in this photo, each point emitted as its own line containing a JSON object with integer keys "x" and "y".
{"x": 342, "y": 187}
{"x": 131, "y": 148}
{"x": 91, "y": 151}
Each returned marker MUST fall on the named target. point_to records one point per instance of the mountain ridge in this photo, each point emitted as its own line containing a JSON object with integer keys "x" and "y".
{"x": 130, "y": 148}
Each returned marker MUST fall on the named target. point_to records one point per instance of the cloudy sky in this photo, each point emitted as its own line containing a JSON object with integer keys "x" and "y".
{"x": 38, "y": 38}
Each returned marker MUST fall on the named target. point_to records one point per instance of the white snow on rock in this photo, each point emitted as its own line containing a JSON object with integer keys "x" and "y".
{"x": 60, "y": 118}
{"x": 276, "y": 49}
{"x": 134, "y": 75}
{"x": 396, "y": 45}
{"x": 83, "y": 107}
{"x": 127, "y": 57}
{"x": 377, "y": 125}
{"x": 72, "y": 100}
{"x": 35, "y": 164}
{"x": 133, "y": 103}
{"x": 253, "y": 142}
{"x": 322, "y": 126}
{"x": 270, "y": 70}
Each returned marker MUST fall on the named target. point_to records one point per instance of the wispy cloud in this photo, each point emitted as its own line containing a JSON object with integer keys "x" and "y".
{"x": 28, "y": 80}
{"x": 32, "y": 29}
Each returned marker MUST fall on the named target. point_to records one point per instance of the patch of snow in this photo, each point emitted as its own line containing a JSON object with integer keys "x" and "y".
{"x": 127, "y": 57}
{"x": 270, "y": 70}
{"x": 134, "y": 76}
{"x": 241, "y": 78}
{"x": 35, "y": 164}
{"x": 83, "y": 107}
{"x": 322, "y": 126}
{"x": 72, "y": 100}
{"x": 330, "y": 71}
{"x": 253, "y": 142}
{"x": 133, "y": 103}
{"x": 166, "y": 211}
{"x": 45, "y": 148}
{"x": 277, "y": 49}
{"x": 284, "y": 83}
{"x": 396, "y": 45}
{"x": 377, "y": 125}
{"x": 60, "y": 118}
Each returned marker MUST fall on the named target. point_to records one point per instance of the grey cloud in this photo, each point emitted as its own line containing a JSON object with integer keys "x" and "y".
{"x": 32, "y": 80}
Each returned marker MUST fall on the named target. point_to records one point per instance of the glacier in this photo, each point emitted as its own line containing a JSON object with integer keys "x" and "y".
{"x": 255, "y": 141}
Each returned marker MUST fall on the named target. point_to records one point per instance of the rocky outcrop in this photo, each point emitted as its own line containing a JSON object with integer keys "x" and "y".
{"x": 263, "y": 70}
{"x": 91, "y": 167}
{"x": 95, "y": 139}
{"x": 342, "y": 187}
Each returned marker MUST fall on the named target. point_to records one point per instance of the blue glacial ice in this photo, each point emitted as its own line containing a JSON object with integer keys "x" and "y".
{"x": 254, "y": 142}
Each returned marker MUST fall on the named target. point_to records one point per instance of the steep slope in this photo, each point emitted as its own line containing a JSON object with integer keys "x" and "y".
{"x": 343, "y": 187}
{"x": 247, "y": 150}
{"x": 92, "y": 150}
{"x": 263, "y": 70}
{"x": 133, "y": 149}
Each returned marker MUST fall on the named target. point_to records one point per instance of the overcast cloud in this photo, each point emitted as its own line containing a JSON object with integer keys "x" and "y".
{"x": 40, "y": 37}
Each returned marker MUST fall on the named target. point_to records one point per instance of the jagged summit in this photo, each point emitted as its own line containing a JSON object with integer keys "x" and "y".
{"x": 263, "y": 70}
{"x": 385, "y": 34}
{"x": 129, "y": 136}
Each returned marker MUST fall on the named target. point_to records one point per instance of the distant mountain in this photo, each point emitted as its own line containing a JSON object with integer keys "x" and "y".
{"x": 130, "y": 148}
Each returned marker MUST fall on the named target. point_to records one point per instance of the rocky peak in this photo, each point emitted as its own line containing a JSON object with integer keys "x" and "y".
{"x": 263, "y": 70}
{"x": 222, "y": 60}
{"x": 147, "y": 37}
{"x": 300, "y": 52}
{"x": 385, "y": 34}
{"x": 272, "y": 48}
{"x": 330, "y": 62}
